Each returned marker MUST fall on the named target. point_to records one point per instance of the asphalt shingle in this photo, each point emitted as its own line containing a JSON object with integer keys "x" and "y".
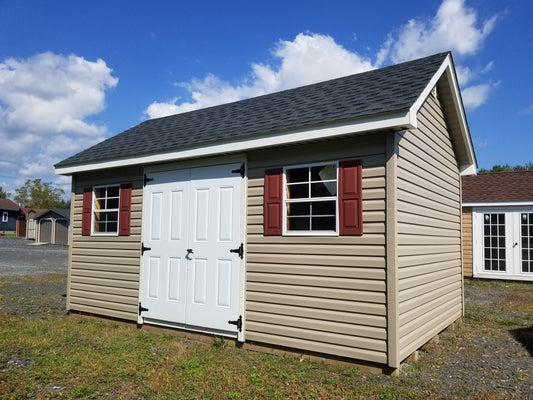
{"x": 498, "y": 187}
{"x": 370, "y": 93}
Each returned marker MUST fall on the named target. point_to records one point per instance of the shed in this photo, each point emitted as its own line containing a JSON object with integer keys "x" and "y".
{"x": 8, "y": 216}
{"x": 324, "y": 219}
{"x": 52, "y": 226}
{"x": 498, "y": 225}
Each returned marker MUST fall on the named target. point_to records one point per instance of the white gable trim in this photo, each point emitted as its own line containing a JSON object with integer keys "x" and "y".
{"x": 499, "y": 204}
{"x": 400, "y": 120}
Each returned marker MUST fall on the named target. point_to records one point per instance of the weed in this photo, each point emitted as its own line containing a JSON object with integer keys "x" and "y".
{"x": 219, "y": 342}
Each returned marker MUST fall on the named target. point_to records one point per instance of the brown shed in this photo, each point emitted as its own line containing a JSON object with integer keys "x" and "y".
{"x": 498, "y": 225}
{"x": 324, "y": 219}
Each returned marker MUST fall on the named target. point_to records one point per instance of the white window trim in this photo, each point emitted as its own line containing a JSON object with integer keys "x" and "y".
{"x": 93, "y": 210}
{"x": 5, "y": 216}
{"x": 286, "y": 232}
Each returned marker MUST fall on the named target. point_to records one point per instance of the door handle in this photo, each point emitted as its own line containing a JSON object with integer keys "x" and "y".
{"x": 189, "y": 252}
{"x": 514, "y": 245}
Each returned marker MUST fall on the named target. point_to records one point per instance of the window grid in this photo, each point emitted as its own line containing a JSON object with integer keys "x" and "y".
{"x": 105, "y": 210}
{"x": 494, "y": 242}
{"x": 526, "y": 234}
{"x": 311, "y": 198}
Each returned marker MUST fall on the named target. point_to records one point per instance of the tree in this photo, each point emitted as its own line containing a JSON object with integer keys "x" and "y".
{"x": 36, "y": 194}
{"x": 3, "y": 193}
{"x": 498, "y": 168}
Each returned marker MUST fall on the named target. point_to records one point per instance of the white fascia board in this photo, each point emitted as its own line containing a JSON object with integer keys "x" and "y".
{"x": 389, "y": 121}
{"x": 447, "y": 68}
{"x": 446, "y": 64}
{"x": 499, "y": 204}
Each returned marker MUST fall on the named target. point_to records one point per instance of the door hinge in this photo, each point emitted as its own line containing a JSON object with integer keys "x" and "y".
{"x": 146, "y": 179}
{"x": 239, "y": 170}
{"x": 239, "y": 251}
{"x": 144, "y": 248}
{"x": 237, "y": 322}
{"x": 141, "y": 308}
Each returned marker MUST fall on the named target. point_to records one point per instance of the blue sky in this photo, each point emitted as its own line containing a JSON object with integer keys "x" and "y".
{"x": 73, "y": 73}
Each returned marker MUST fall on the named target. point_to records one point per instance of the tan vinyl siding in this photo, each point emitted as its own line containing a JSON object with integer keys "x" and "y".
{"x": 467, "y": 241}
{"x": 104, "y": 271}
{"x": 320, "y": 294}
{"x": 429, "y": 230}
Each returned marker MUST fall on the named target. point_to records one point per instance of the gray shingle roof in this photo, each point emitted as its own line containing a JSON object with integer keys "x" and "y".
{"x": 375, "y": 92}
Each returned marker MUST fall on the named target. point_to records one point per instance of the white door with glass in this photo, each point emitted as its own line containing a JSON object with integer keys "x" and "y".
{"x": 191, "y": 262}
{"x": 503, "y": 243}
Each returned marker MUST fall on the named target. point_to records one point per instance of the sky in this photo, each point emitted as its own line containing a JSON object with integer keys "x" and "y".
{"x": 73, "y": 73}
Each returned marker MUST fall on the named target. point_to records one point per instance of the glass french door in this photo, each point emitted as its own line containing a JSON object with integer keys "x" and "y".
{"x": 503, "y": 243}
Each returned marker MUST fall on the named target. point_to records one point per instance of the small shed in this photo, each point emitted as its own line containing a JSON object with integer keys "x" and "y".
{"x": 498, "y": 225}
{"x": 52, "y": 226}
{"x": 324, "y": 219}
{"x": 8, "y": 216}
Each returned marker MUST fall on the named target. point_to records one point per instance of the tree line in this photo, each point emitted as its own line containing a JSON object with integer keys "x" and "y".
{"x": 38, "y": 194}
{"x": 498, "y": 168}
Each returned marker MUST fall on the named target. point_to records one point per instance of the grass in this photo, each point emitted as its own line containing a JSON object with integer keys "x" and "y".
{"x": 77, "y": 357}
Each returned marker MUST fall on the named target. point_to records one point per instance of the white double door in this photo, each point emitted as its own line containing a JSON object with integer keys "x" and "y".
{"x": 503, "y": 243}
{"x": 191, "y": 222}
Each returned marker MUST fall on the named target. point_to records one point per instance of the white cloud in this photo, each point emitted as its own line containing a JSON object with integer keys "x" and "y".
{"x": 455, "y": 27}
{"x": 309, "y": 58}
{"x": 44, "y": 102}
{"x": 475, "y": 96}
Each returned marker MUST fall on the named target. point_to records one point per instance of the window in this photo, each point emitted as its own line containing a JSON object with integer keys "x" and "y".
{"x": 494, "y": 242}
{"x": 310, "y": 203}
{"x": 314, "y": 199}
{"x": 105, "y": 209}
{"x": 5, "y": 216}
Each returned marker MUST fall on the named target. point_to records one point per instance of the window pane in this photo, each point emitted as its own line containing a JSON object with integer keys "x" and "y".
{"x": 298, "y": 209}
{"x": 297, "y": 175}
{"x": 112, "y": 191}
{"x": 300, "y": 191}
{"x": 323, "y": 223}
{"x": 112, "y": 203}
{"x": 324, "y": 208}
{"x": 323, "y": 189}
{"x": 99, "y": 193}
{"x": 298, "y": 223}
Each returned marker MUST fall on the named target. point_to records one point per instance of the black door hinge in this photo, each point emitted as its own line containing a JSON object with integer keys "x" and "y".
{"x": 239, "y": 170}
{"x": 239, "y": 250}
{"x": 141, "y": 308}
{"x": 144, "y": 248}
{"x": 237, "y": 322}
{"x": 146, "y": 179}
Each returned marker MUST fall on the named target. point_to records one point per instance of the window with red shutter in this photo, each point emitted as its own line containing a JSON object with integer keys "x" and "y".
{"x": 106, "y": 210}
{"x": 314, "y": 199}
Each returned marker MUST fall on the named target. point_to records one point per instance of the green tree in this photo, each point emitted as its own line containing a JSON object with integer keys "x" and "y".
{"x": 3, "y": 193}
{"x": 38, "y": 194}
{"x": 498, "y": 168}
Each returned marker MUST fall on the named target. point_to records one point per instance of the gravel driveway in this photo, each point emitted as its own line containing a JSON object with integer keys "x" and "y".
{"x": 19, "y": 256}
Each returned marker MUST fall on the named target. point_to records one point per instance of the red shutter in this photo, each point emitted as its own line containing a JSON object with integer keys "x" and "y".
{"x": 350, "y": 198}
{"x": 273, "y": 202}
{"x": 124, "y": 218}
{"x": 87, "y": 209}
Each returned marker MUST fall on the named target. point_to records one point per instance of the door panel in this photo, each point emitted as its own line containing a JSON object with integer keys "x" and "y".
{"x": 193, "y": 220}
{"x": 164, "y": 274}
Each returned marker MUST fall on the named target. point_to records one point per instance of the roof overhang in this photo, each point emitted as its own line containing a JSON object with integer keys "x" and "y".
{"x": 445, "y": 80}
{"x": 396, "y": 121}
